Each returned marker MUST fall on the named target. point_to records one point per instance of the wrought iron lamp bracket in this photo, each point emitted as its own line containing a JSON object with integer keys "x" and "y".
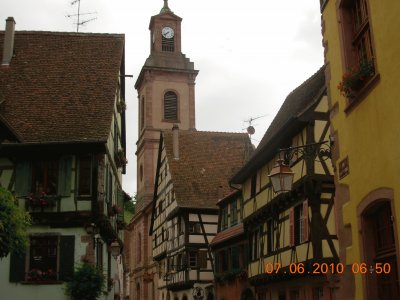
{"x": 318, "y": 151}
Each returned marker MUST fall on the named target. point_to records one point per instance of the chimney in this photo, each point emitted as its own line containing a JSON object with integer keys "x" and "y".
{"x": 8, "y": 47}
{"x": 175, "y": 141}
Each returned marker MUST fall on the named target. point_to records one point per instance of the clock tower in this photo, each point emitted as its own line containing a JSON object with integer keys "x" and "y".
{"x": 166, "y": 96}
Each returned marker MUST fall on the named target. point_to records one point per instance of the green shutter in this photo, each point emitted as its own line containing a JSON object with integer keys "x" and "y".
{"x": 120, "y": 195}
{"x": 23, "y": 178}
{"x": 67, "y": 257}
{"x": 17, "y": 267}
{"x": 64, "y": 176}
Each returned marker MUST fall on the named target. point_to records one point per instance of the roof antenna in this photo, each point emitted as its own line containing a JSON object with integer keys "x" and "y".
{"x": 79, "y": 22}
{"x": 250, "y": 129}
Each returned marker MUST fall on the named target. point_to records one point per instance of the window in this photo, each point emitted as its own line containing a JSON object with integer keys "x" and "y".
{"x": 254, "y": 249}
{"x": 203, "y": 259}
{"x": 142, "y": 113}
{"x": 85, "y": 175}
{"x": 48, "y": 176}
{"x": 357, "y": 42}
{"x": 224, "y": 218}
{"x": 45, "y": 177}
{"x": 170, "y": 106}
{"x": 43, "y": 258}
{"x": 298, "y": 217}
{"x": 270, "y": 236}
{"x": 380, "y": 248}
{"x": 168, "y": 44}
{"x": 194, "y": 227}
{"x": 109, "y": 187}
{"x": 193, "y": 259}
{"x": 42, "y": 262}
{"x": 234, "y": 212}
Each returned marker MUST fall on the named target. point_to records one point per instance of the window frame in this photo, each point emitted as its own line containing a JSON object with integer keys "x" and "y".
{"x": 44, "y": 164}
{"x": 352, "y": 35}
{"x": 78, "y": 176}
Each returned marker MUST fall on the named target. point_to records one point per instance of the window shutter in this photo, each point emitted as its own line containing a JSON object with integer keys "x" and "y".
{"x": 67, "y": 257}
{"x": 23, "y": 178}
{"x": 17, "y": 267}
{"x": 170, "y": 106}
{"x": 120, "y": 195}
{"x": 64, "y": 176}
{"x": 305, "y": 220}
{"x": 291, "y": 227}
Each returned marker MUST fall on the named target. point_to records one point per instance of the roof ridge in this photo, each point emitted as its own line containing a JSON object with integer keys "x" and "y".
{"x": 206, "y": 131}
{"x": 63, "y": 33}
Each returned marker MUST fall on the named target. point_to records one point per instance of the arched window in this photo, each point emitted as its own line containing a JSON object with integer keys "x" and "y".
{"x": 170, "y": 106}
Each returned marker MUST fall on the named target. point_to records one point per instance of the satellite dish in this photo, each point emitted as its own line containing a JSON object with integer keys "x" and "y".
{"x": 251, "y": 130}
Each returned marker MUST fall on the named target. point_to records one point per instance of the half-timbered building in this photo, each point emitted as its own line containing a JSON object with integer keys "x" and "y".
{"x": 230, "y": 248}
{"x": 292, "y": 238}
{"x": 193, "y": 170}
{"x": 62, "y": 103}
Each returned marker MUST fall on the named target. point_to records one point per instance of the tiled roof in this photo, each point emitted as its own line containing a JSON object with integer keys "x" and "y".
{"x": 60, "y": 87}
{"x": 207, "y": 160}
{"x": 227, "y": 234}
{"x": 295, "y": 104}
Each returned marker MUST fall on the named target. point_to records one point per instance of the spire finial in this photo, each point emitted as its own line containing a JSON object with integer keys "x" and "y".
{"x": 165, "y": 7}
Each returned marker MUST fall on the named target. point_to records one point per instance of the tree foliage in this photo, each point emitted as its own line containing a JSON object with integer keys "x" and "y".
{"x": 13, "y": 225}
{"x": 87, "y": 283}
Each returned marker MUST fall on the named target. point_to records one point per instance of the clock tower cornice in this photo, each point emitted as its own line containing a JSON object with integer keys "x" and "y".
{"x": 146, "y": 74}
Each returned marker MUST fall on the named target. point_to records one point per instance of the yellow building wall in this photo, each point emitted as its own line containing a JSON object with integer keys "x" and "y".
{"x": 368, "y": 134}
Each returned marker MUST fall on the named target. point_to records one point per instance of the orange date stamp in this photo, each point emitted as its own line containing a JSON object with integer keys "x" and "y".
{"x": 327, "y": 268}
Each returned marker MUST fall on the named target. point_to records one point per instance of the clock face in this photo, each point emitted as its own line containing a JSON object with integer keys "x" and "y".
{"x": 167, "y": 32}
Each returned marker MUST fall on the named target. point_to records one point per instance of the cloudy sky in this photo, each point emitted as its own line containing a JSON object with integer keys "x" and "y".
{"x": 250, "y": 54}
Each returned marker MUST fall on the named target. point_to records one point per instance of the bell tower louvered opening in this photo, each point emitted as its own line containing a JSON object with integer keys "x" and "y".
{"x": 168, "y": 45}
{"x": 170, "y": 106}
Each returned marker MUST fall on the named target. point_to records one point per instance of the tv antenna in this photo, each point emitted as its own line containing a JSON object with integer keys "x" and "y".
{"x": 79, "y": 14}
{"x": 250, "y": 129}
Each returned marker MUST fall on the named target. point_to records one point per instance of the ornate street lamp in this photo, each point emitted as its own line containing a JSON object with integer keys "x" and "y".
{"x": 115, "y": 248}
{"x": 282, "y": 175}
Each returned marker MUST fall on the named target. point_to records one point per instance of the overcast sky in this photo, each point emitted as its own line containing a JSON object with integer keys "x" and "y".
{"x": 250, "y": 54}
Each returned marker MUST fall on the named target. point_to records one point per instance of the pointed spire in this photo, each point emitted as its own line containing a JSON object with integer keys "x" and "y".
{"x": 165, "y": 8}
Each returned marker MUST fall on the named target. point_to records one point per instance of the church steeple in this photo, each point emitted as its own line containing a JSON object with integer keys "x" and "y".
{"x": 166, "y": 94}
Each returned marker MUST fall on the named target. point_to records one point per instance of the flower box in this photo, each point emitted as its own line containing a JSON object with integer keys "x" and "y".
{"x": 41, "y": 200}
{"x": 356, "y": 78}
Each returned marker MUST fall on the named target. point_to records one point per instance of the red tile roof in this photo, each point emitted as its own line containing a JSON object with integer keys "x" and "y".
{"x": 227, "y": 234}
{"x": 60, "y": 87}
{"x": 207, "y": 160}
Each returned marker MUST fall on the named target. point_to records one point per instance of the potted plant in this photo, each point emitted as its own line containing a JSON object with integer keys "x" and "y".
{"x": 355, "y": 78}
{"x": 87, "y": 283}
